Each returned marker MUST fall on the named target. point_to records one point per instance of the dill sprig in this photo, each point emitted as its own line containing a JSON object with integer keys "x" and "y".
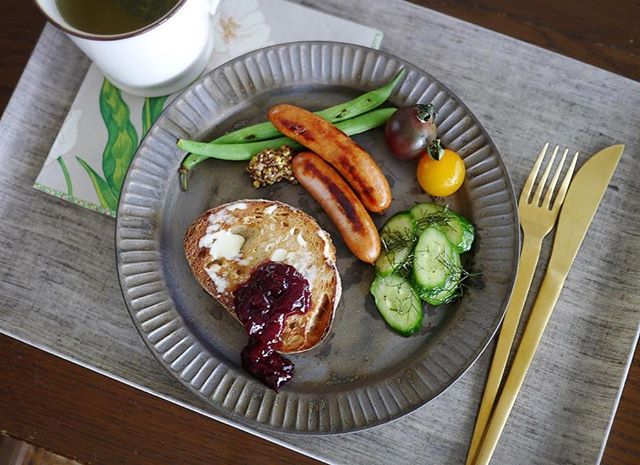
{"x": 433, "y": 219}
{"x": 397, "y": 240}
{"x": 404, "y": 269}
{"x": 460, "y": 274}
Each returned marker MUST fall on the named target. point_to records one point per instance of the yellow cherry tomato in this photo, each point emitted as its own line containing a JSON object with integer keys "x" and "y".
{"x": 441, "y": 177}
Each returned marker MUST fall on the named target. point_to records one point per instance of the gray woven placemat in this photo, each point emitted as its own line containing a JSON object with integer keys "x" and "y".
{"x": 59, "y": 290}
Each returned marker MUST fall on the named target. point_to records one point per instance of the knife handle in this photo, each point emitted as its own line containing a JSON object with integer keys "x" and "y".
{"x": 528, "y": 261}
{"x": 545, "y": 302}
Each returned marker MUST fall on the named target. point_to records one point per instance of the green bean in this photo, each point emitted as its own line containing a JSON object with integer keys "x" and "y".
{"x": 363, "y": 103}
{"x": 359, "y": 105}
{"x": 337, "y": 113}
{"x": 244, "y": 152}
{"x": 231, "y": 152}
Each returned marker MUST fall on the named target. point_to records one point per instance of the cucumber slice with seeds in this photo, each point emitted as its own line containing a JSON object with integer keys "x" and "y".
{"x": 398, "y": 237}
{"x": 426, "y": 213}
{"x": 451, "y": 289}
{"x": 398, "y": 303}
{"x": 458, "y": 229}
{"x": 436, "y": 264}
{"x": 440, "y": 297}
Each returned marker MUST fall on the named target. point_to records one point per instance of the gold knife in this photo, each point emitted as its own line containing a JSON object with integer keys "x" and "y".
{"x": 584, "y": 196}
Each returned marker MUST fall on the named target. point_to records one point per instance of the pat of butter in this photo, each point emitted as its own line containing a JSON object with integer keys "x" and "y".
{"x": 327, "y": 243}
{"x": 219, "y": 281}
{"x": 269, "y": 210}
{"x": 278, "y": 255}
{"x": 222, "y": 244}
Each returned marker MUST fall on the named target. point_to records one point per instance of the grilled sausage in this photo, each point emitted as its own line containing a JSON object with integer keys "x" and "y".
{"x": 341, "y": 204}
{"x": 335, "y": 147}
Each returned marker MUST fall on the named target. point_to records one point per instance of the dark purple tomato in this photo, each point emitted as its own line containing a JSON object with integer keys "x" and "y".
{"x": 410, "y": 130}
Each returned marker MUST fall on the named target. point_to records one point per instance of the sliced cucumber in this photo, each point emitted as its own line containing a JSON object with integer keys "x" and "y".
{"x": 450, "y": 290}
{"x": 436, "y": 264}
{"x": 458, "y": 229}
{"x": 440, "y": 297}
{"x": 423, "y": 213}
{"x": 398, "y": 303}
{"x": 398, "y": 237}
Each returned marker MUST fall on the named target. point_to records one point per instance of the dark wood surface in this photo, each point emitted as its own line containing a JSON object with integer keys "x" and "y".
{"x": 80, "y": 414}
{"x": 604, "y": 34}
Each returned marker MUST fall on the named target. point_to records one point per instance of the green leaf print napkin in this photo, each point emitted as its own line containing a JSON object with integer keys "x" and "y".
{"x": 89, "y": 159}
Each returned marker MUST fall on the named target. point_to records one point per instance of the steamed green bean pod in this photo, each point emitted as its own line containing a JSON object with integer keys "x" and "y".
{"x": 344, "y": 111}
{"x": 245, "y": 151}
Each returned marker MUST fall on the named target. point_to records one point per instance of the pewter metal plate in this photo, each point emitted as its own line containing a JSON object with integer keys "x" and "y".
{"x": 363, "y": 374}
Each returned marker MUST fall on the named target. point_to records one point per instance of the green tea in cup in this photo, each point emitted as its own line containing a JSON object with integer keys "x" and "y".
{"x": 109, "y": 17}
{"x": 145, "y": 47}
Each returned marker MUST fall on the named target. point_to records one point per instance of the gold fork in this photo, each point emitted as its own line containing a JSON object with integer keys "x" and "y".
{"x": 536, "y": 220}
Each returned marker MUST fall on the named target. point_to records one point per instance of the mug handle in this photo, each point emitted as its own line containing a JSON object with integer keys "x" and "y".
{"x": 213, "y": 6}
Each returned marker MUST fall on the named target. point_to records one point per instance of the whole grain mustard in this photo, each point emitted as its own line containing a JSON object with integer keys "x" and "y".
{"x": 271, "y": 166}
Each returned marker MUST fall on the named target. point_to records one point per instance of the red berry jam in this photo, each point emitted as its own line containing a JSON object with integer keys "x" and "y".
{"x": 273, "y": 292}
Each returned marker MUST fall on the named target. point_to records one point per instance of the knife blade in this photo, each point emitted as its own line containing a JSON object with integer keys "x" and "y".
{"x": 583, "y": 198}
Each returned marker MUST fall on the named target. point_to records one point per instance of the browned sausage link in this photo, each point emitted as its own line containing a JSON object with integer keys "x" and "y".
{"x": 334, "y": 146}
{"x": 341, "y": 204}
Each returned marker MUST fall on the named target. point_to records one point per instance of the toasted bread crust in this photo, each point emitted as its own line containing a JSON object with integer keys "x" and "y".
{"x": 272, "y": 231}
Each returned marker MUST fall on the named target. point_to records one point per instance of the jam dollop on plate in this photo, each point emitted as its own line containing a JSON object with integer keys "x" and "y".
{"x": 272, "y": 293}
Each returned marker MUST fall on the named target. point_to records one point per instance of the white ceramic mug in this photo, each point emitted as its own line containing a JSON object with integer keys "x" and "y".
{"x": 158, "y": 59}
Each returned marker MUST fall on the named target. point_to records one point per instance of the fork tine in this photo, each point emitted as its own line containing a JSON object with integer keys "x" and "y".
{"x": 547, "y": 198}
{"x": 526, "y": 190}
{"x": 545, "y": 175}
{"x": 565, "y": 183}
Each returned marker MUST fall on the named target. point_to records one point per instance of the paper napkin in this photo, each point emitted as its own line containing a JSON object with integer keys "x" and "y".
{"x": 98, "y": 139}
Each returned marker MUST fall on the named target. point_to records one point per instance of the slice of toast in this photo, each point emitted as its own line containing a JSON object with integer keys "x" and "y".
{"x": 250, "y": 232}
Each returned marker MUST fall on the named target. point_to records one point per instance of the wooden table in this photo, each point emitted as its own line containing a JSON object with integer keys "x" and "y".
{"x": 78, "y": 413}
